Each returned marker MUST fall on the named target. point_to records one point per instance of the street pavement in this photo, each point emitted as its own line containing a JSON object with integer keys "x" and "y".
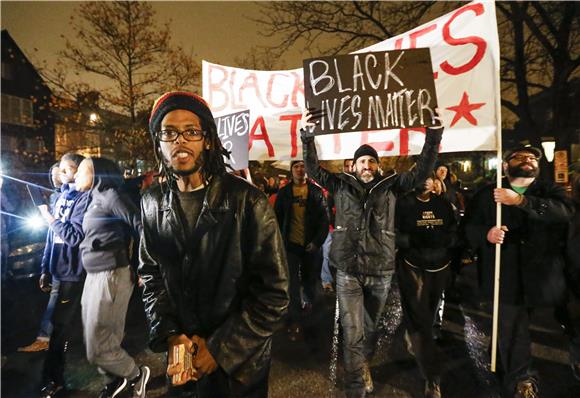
{"x": 307, "y": 367}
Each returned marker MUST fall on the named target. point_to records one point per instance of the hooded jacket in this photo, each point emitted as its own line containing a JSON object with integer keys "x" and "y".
{"x": 228, "y": 285}
{"x": 532, "y": 255}
{"x": 61, "y": 256}
{"x": 363, "y": 241}
{"x": 110, "y": 221}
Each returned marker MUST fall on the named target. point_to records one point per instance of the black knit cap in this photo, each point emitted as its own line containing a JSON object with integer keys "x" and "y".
{"x": 292, "y": 163}
{"x": 173, "y": 100}
{"x": 507, "y": 155}
{"x": 364, "y": 150}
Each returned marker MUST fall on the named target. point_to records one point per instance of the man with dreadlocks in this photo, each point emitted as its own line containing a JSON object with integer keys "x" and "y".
{"x": 212, "y": 259}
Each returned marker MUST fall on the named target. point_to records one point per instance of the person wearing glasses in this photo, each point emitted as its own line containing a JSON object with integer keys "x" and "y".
{"x": 532, "y": 236}
{"x": 212, "y": 259}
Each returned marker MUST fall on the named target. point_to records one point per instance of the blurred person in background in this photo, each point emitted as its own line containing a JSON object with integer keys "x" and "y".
{"x": 110, "y": 222}
{"x": 426, "y": 231}
{"x": 43, "y": 336}
{"x": 62, "y": 261}
{"x": 302, "y": 215}
{"x": 535, "y": 216}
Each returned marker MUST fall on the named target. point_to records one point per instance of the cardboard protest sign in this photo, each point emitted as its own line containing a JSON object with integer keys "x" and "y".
{"x": 464, "y": 49}
{"x": 233, "y": 131}
{"x": 371, "y": 91}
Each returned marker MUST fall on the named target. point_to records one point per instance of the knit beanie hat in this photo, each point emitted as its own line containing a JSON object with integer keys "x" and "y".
{"x": 173, "y": 100}
{"x": 364, "y": 150}
{"x": 292, "y": 163}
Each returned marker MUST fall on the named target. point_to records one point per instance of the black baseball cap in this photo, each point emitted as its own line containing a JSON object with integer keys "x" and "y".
{"x": 507, "y": 155}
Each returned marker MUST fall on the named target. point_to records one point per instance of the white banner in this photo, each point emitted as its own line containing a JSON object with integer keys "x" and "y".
{"x": 464, "y": 49}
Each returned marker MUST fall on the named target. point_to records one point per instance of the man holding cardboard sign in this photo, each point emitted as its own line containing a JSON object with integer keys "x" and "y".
{"x": 363, "y": 246}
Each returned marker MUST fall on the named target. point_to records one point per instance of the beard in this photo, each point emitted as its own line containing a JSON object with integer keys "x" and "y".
{"x": 366, "y": 176}
{"x": 519, "y": 171}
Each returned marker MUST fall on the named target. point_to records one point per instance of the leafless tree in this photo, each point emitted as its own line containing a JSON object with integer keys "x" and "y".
{"x": 539, "y": 46}
{"x": 122, "y": 42}
{"x": 123, "y": 46}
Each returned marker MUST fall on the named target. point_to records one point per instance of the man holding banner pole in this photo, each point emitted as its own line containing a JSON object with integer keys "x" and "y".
{"x": 532, "y": 236}
{"x": 363, "y": 246}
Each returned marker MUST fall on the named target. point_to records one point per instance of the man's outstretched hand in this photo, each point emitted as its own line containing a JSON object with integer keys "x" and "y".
{"x": 310, "y": 118}
{"x": 438, "y": 128}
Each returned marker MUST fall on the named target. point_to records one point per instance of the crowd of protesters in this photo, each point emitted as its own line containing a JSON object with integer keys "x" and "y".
{"x": 222, "y": 266}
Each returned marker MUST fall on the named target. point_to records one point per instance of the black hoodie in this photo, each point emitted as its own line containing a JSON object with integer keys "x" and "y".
{"x": 109, "y": 222}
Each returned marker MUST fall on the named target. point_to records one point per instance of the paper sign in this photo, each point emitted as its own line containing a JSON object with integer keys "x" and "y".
{"x": 371, "y": 91}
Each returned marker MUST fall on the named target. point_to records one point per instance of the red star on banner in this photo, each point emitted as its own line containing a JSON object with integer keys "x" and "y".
{"x": 464, "y": 109}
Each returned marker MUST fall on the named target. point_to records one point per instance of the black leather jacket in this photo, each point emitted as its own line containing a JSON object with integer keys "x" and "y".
{"x": 237, "y": 262}
{"x": 363, "y": 241}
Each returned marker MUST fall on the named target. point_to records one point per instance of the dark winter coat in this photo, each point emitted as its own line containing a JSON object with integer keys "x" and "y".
{"x": 315, "y": 214}
{"x": 532, "y": 255}
{"x": 237, "y": 261}
{"x": 363, "y": 241}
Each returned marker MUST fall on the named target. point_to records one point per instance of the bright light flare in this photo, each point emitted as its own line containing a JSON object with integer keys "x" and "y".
{"x": 35, "y": 222}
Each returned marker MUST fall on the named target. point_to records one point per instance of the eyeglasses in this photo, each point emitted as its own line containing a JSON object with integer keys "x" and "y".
{"x": 521, "y": 158}
{"x": 170, "y": 135}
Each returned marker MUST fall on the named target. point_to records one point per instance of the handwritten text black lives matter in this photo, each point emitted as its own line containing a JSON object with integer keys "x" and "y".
{"x": 371, "y": 91}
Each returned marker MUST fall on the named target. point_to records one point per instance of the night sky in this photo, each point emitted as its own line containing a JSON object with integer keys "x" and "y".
{"x": 215, "y": 31}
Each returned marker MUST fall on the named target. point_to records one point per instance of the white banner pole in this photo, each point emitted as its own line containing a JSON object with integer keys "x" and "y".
{"x": 498, "y": 211}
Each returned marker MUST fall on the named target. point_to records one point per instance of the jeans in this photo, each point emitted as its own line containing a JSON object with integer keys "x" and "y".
{"x": 46, "y": 322}
{"x": 361, "y": 300}
{"x": 325, "y": 274}
{"x": 66, "y": 312}
{"x": 304, "y": 272}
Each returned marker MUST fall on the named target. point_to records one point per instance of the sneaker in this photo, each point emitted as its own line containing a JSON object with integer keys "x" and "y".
{"x": 37, "y": 346}
{"x": 114, "y": 388}
{"x": 367, "y": 379}
{"x": 50, "y": 390}
{"x": 432, "y": 389}
{"x": 139, "y": 385}
{"x": 527, "y": 389}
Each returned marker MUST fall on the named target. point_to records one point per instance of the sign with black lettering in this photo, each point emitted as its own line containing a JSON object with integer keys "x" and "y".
{"x": 233, "y": 131}
{"x": 371, "y": 91}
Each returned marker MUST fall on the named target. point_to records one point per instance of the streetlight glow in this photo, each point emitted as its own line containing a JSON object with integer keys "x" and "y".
{"x": 549, "y": 147}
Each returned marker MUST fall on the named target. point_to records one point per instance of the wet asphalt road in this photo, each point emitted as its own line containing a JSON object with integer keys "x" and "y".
{"x": 303, "y": 368}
